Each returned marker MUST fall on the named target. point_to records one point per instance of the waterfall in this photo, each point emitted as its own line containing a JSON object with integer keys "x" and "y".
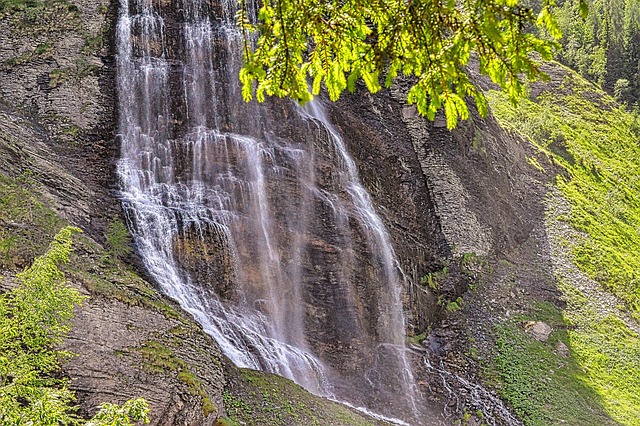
{"x": 253, "y": 217}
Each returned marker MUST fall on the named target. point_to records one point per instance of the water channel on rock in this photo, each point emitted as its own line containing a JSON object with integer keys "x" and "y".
{"x": 252, "y": 216}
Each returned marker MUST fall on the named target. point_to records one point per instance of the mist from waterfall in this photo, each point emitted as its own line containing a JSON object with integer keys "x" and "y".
{"x": 252, "y": 216}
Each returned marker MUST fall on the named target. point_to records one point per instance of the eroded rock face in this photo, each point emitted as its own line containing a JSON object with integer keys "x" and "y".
{"x": 58, "y": 100}
{"x": 483, "y": 201}
{"x": 126, "y": 351}
{"x": 461, "y": 191}
{"x": 382, "y": 147}
{"x": 443, "y": 194}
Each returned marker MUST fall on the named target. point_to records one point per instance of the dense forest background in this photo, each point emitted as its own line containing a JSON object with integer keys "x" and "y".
{"x": 604, "y": 47}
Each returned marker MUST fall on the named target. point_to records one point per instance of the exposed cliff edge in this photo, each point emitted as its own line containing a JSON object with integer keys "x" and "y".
{"x": 476, "y": 218}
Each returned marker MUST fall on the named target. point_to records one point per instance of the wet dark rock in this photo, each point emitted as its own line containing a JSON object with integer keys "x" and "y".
{"x": 204, "y": 255}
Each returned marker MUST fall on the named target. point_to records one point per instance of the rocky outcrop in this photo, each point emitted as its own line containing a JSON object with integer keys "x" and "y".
{"x": 203, "y": 253}
{"x": 443, "y": 195}
{"x": 126, "y": 351}
{"x": 58, "y": 99}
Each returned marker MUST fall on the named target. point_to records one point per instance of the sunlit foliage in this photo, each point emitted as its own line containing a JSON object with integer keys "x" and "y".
{"x": 35, "y": 316}
{"x": 340, "y": 42}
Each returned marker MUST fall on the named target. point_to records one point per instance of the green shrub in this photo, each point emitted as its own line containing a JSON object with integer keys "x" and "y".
{"x": 35, "y": 316}
{"x": 118, "y": 239}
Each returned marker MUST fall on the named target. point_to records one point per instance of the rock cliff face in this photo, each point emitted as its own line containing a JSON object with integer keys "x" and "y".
{"x": 454, "y": 202}
{"x": 269, "y": 209}
{"x": 471, "y": 200}
{"x": 443, "y": 194}
{"x": 57, "y": 163}
{"x": 58, "y": 147}
{"x": 57, "y": 87}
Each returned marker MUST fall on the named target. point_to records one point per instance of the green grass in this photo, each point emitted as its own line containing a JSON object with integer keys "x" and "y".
{"x": 105, "y": 277}
{"x": 158, "y": 357}
{"x": 225, "y": 421}
{"x": 597, "y": 145}
{"x": 609, "y": 354}
{"x": 542, "y": 386}
{"x": 39, "y": 15}
{"x": 14, "y": 5}
{"x": 196, "y": 388}
{"x": 252, "y": 397}
{"x": 600, "y": 151}
{"x": 92, "y": 43}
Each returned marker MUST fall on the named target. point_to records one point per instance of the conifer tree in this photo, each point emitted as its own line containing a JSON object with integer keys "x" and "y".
{"x": 338, "y": 42}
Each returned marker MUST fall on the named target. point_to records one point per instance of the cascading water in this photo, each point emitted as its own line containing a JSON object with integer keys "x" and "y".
{"x": 253, "y": 216}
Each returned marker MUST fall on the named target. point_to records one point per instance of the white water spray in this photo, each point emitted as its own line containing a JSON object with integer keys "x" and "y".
{"x": 316, "y": 295}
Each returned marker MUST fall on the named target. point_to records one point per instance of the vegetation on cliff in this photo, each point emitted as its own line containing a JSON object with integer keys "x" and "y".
{"x": 575, "y": 126}
{"x": 35, "y": 316}
{"x": 596, "y": 144}
{"x": 27, "y": 224}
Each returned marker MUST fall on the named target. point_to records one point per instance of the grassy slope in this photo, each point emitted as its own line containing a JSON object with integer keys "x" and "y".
{"x": 255, "y": 398}
{"x": 597, "y": 143}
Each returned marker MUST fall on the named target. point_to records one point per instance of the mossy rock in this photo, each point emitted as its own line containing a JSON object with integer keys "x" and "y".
{"x": 256, "y": 398}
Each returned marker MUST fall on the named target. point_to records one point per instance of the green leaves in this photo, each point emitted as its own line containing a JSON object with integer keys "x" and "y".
{"x": 132, "y": 411}
{"x": 584, "y": 9}
{"x": 118, "y": 239}
{"x": 34, "y": 318}
{"x": 339, "y": 43}
{"x": 548, "y": 21}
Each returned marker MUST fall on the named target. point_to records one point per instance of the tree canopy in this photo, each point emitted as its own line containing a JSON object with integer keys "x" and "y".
{"x": 604, "y": 48}
{"x": 289, "y": 44}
